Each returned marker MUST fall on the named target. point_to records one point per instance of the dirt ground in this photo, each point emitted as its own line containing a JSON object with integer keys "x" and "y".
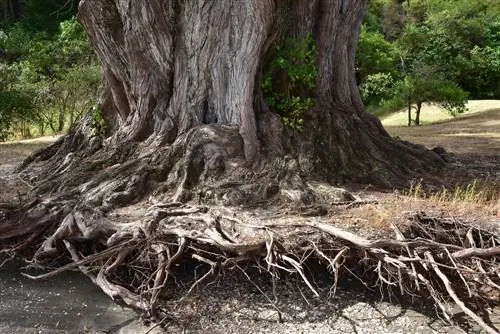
{"x": 11, "y": 155}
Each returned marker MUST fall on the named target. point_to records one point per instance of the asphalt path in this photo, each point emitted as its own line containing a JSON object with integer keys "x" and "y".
{"x": 68, "y": 303}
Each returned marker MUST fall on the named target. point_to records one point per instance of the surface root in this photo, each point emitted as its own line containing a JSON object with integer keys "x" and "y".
{"x": 444, "y": 260}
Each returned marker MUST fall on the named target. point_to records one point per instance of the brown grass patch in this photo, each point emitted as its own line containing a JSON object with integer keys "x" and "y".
{"x": 478, "y": 200}
{"x": 475, "y": 133}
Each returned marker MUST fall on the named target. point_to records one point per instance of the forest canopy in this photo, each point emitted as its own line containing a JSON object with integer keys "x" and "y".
{"x": 431, "y": 51}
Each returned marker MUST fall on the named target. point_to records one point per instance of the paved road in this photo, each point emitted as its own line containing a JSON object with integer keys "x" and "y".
{"x": 69, "y": 303}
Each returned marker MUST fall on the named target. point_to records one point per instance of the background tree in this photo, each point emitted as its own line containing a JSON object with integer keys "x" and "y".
{"x": 417, "y": 89}
{"x": 459, "y": 38}
{"x": 56, "y": 70}
{"x": 15, "y": 105}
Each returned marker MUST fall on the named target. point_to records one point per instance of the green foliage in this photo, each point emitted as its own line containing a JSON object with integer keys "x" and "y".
{"x": 418, "y": 89}
{"x": 98, "y": 123}
{"x": 377, "y": 87}
{"x": 289, "y": 78}
{"x": 407, "y": 41}
{"x": 58, "y": 73}
{"x": 375, "y": 55}
{"x": 15, "y": 104}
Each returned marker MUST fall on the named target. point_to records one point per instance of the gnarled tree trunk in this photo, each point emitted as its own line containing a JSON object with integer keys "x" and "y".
{"x": 179, "y": 71}
{"x": 182, "y": 117}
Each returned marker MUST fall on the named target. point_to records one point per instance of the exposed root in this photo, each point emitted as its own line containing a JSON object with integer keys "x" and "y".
{"x": 453, "y": 295}
{"x": 133, "y": 262}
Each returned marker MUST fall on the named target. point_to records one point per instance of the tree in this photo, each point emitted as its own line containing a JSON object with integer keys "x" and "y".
{"x": 183, "y": 117}
{"x": 37, "y": 15}
{"x": 423, "y": 80}
{"x": 417, "y": 90}
{"x": 374, "y": 55}
{"x": 460, "y": 38}
{"x": 173, "y": 87}
{"x": 11, "y": 10}
{"x": 58, "y": 72}
{"x": 15, "y": 105}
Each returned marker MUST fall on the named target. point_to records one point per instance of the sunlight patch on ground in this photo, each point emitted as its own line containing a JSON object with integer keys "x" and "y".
{"x": 38, "y": 140}
{"x": 433, "y": 114}
{"x": 474, "y": 134}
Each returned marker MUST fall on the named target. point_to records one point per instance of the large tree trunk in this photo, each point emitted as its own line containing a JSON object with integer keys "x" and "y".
{"x": 182, "y": 117}
{"x": 171, "y": 67}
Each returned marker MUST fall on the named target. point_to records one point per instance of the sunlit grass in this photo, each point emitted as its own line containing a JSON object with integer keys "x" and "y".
{"x": 482, "y": 192}
{"x": 431, "y": 114}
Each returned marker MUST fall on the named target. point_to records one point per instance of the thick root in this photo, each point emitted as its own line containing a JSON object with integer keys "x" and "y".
{"x": 135, "y": 262}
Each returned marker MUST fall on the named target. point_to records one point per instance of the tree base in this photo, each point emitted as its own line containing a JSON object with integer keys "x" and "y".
{"x": 133, "y": 261}
{"x": 132, "y": 253}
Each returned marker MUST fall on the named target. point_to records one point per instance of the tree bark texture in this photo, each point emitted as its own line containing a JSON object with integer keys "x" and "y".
{"x": 184, "y": 111}
{"x": 171, "y": 66}
{"x": 186, "y": 121}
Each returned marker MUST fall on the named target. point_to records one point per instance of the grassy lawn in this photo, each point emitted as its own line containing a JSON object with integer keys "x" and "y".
{"x": 477, "y": 131}
{"x": 432, "y": 114}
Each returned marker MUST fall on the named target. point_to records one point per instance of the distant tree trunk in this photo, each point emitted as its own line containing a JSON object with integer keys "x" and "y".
{"x": 41, "y": 128}
{"x": 60, "y": 119}
{"x": 409, "y": 112}
{"x": 417, "y": 113}
{"x": 72, "y": 115}
{"x": 11, "y": 10}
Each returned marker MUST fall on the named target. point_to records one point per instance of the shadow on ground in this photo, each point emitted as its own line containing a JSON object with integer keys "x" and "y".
{"x": 248, "y": 303}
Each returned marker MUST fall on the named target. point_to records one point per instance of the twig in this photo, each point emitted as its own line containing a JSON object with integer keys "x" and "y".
{"x": 198, "y": 281}
{"x": 298, "y": 267}
{"x": 457, "y": 300}
{"x": 273, "y": 304}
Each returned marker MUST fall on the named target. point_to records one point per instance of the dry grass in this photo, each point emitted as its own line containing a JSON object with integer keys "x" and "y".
{"x": 481, "y": 202}
{"x": 475, "y": 133}
{"x": 11, "y": 154}
{"x": 15, "y": 151}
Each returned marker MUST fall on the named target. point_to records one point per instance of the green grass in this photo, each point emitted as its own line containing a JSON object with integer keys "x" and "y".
{"x": 432, "y": 114}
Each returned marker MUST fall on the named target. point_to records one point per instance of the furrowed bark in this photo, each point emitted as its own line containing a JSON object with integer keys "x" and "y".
{"x": 186, "y": 121}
